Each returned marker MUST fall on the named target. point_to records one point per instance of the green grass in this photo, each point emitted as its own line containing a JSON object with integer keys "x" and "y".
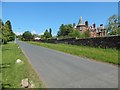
{"x": 13, "y": 73}
{"x": 99, "y": 54}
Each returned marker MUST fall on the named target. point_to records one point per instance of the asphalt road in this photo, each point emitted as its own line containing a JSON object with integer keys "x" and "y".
{"x": 60, "y": 70}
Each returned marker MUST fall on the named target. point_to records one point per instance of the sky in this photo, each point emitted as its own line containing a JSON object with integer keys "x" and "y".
{"x": 39, "y": 16}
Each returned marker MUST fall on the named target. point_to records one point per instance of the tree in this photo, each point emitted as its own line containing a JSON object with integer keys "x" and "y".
{"x": 27, "y": 36}
{"x": 8, "y": 23}
{"x": 6, "y": 33}
{"x": 50, "y": 31}
{"x": 46, "y": 34}
{"x": 64, "y": 30}
{"x": 74, "y": 34}
{"x": 113, "y": 25}
{"x": 1, "y": 29}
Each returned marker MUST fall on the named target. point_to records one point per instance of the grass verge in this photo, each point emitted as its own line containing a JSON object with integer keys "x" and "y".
{"x": 12, "y": 72}
{"x": 100, "y": 54}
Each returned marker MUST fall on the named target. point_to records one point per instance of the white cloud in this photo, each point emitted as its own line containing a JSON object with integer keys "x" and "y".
{"x": 33, "y": 32}
{"x": 18, "y": 33}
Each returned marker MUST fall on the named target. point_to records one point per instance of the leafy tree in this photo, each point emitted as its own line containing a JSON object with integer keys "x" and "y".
{"x": 113, "y": 24}
{"x": 6, "y": 33}
{"x": 64, "y": 30}
{"x": 74, "y": 34}
{"x": 1, "y": 24}
{"x": 8, "y": 23}
{"x": 27, "y": 36}
{"x": 46, "y": 34}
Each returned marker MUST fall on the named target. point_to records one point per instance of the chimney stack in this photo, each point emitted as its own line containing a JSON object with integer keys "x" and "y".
{"x": 74, "y": 25}
{"x": 101, "y": 24}
{"x": 86, "y": 23}
{"x": 94, "y": 25}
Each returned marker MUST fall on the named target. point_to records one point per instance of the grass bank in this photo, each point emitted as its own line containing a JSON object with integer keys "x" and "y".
{"x": 105, "y": 55}
{"x": 12, "y": 72}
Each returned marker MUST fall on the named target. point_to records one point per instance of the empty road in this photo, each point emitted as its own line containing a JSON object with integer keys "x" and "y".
{"x": 60, "y": 70}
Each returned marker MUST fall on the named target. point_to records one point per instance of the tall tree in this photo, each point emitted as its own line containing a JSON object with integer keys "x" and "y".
{"x": 8, "y": 23}
{"x": 113, "y": 25}
{"x": 8, "y": 31}
{"x": 50, "y": 31}
{"x": 64, "y": 30}
{"x": 1, "y": 29}
{"x": 46, "y": 34}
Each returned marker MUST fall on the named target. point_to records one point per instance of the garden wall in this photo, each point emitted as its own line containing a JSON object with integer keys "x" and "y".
{"x": 103, "y": 42}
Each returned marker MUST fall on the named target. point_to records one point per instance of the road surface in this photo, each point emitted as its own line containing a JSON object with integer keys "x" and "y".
{"x": 60, "y": 70}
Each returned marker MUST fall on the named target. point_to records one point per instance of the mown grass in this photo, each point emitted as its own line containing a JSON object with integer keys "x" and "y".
{"x": 100, "y": 54}
{"x": 13, "y": 73}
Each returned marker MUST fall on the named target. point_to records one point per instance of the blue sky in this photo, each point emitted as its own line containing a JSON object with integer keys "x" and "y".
{"x": 39, "y": 16}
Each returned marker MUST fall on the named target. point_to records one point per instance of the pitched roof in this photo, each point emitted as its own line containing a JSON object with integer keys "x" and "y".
{"x": 81, "y": 21}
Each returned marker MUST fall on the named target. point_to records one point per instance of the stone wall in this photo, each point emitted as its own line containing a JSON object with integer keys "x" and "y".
{"x": 103, "y": 42}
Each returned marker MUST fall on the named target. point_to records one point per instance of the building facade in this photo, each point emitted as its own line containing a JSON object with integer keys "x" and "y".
{"x": 94, "y": 31}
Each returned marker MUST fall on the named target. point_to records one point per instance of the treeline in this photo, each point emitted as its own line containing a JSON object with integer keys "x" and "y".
{"x": 67, "y": 31}
{"x": 6, "y": 33}
{"x": 112, "y": 28}
{"x": 27, "y": 35}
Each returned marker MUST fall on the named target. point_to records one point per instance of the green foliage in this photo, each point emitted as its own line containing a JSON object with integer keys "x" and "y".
{"x": 69, "y": 32}
{"x": 64, "y": 30}
{"x": 113, "y": 24}
{"x": 42, "y": 37}
{"x": 19, "y": 37}
{"x": 47, "y": 34}
{"x": 1, "y": 24}
{"x": 27, "y": 36}
{"x": 6, "y": 32}
{"x": 74, "y": 34}
{"x": 87, "y": 33}
{"x": 12, "y": 73}
{"x": 50, "y": 31}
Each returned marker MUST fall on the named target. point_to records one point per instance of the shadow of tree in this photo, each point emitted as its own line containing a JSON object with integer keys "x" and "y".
{"x": 5, "y": 49}
{"x": 4, "y": 86}
{"x": 4, "y": 65}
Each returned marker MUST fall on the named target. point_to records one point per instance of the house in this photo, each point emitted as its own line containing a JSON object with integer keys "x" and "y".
{"x": 37, "y": 38}
{"x": 81, "y": 26}
{"x": 94, "y": 31}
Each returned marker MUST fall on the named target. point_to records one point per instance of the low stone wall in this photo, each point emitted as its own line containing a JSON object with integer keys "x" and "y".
{"x": 103, "y": 42}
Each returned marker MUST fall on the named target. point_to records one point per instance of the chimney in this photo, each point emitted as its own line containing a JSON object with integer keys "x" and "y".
{"x": 94, "y": 25}
{"x": 101, "y": 24}
{"x": 86, "y": 24}
{"x": 74, "y": 25}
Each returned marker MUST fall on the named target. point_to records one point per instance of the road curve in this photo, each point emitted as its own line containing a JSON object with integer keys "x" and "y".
{"x": 61, "y": 70}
